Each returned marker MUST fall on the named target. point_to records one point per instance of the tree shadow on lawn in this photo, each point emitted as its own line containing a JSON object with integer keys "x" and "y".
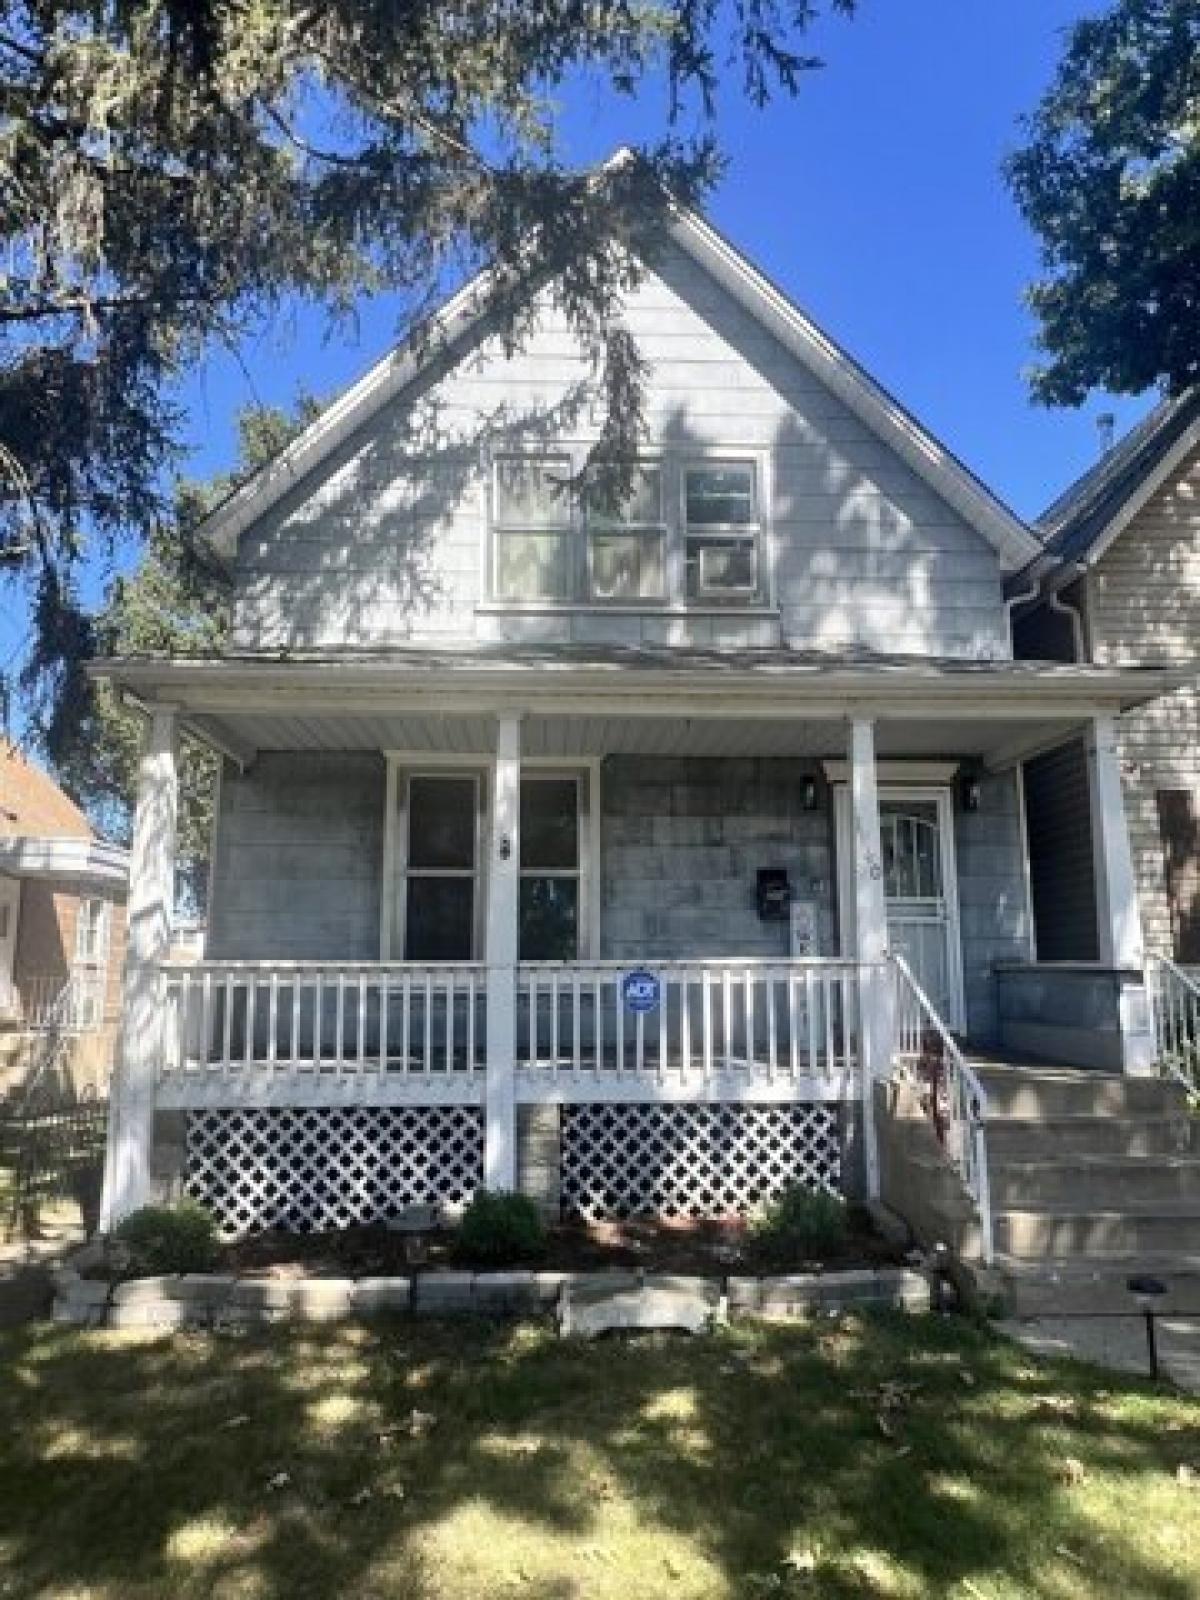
{"x": 472, "y": 1459}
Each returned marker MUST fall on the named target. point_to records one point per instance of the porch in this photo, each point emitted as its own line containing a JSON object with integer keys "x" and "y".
{"x": 356, "y": 962}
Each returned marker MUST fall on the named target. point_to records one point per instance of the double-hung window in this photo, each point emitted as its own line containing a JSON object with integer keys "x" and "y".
{"x": 91, "y": 963}
{"x": 627, "y": 541}
{"x": 722, "y": 531}
{"x": 534, "y": 528}
{"x": 442, "y": 867}
{"x": 548, "y": 914}
{"x": 681, "y": 532}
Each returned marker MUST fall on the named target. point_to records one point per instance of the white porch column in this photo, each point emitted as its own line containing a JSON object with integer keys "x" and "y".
{"x": 503, "y": 882}
{"x": 1116, "y": 887}
{"x": 1118, "y": 914}
{"x": 150, "y": 907}
{"x": 870, "y": 928}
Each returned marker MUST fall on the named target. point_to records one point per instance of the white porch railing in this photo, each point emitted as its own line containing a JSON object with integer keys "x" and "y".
{"x": 1175, "y": 1007}
{"x": 342, "y": 1020}
{"x": 927, "y": 1054}
{"x": 71, "y": 1003}
{"x": 277, "y": 1029}
{"x": 773, "y": 1021}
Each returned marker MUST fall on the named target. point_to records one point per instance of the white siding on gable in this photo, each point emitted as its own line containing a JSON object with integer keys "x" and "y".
{"x": 387, "y": 543}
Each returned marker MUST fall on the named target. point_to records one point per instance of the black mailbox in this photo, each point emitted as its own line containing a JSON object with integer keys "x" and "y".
{"x": 774, "y": 894}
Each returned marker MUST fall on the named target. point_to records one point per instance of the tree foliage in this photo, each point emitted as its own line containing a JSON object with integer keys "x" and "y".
{"x": 1110, "y": 181}
{"x": 173, "y": 171}
{"x": 173, "y": 602}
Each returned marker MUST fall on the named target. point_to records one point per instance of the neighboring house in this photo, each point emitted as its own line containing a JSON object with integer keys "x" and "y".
{"x": 62, "y": 930}
{"x": 562, "y": 845}
{"x": 1120, "y": 583}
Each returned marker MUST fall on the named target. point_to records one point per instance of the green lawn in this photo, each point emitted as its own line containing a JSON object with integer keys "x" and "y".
{"x": 458, "y": 1461}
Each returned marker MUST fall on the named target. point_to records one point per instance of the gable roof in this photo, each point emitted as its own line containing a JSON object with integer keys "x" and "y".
{"x": 1015, "y": 544}
{"x": 31, "y": 803}
{"x": 1083, "y": 522}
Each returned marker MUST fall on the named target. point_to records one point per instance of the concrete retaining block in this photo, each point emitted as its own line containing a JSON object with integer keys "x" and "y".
{"x": 440, "y": 1293}
{"x": 588, "y": 1303}
{"x": 313, "y": 1299}
{"x": 375, "y": 1296}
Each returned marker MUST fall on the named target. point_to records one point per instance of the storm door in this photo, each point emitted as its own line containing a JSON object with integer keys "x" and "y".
{"x": 916, "y": 836}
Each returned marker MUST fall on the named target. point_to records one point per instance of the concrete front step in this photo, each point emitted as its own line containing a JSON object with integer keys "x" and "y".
{"x": 1101, "y": 1182}
{"x": 1029, "y": 1094}
{"x": 1162, "y": 1228}
{"x": 1098, "y": 1287}
{"x": 1047, "y": 1138}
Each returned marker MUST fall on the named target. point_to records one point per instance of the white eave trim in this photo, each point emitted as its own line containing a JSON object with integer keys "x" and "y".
{"x": 88, "y": 861}
{"x": 1188, "y": 441}
{"x": 1013, "y": 542}
{"x": 202, "y": 688}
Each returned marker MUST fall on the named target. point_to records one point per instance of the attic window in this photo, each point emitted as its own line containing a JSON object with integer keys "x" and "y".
{"x": 533, "y": 520}
{"x": 627, "y": 542}
{"x": 722, "y": 529}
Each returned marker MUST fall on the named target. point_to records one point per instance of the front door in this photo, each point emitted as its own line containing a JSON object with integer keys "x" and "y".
{"x": 10, "y": 908}
{"x": 916, "y": 829}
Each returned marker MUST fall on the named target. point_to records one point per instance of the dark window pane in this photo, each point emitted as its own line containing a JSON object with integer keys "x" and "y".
{"x": 549, "y": 919}
{"x": 720, "y": 495}
{"x": 441, "y": 823}
{"x": 440, "y": 921}
{"x": 549, "y": 824}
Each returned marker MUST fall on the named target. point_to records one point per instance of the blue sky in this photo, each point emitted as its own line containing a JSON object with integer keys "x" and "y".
{"x": 874, "y": 199}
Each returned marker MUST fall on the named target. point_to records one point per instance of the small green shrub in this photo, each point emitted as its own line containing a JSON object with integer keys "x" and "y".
{"x": 801, "y": 1224}
{"x": 176, "y": 1238}
{"x": 500, "y": 1228}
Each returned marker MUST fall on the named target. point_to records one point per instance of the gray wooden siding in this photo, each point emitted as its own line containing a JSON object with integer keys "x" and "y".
{"x": 1058, "y": 814}
{"x": 1144, "y": 606}
{"x": 386, "y": 544}
{"x": 682, "y": 840}
{"x": 298, "y": 860}
{"x": 992, "y": 897}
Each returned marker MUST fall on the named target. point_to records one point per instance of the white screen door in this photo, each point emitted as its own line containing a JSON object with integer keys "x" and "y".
{"x": 916, "y": 829}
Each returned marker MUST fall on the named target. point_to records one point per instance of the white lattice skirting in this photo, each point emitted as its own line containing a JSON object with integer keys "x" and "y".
{"x": 693, "y": 1161}
{"x": 326, "y": 1167}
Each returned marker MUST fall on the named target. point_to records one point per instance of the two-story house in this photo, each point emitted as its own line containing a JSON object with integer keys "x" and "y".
{"x": 572, "y": 845}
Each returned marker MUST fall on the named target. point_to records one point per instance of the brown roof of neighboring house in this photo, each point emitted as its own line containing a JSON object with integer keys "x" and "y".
{"x": 31, "y": 803}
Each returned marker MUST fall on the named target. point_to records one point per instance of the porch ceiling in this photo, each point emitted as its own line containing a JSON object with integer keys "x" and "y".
{"x": 596, "y": 701}
{"x": 577, "y": 737}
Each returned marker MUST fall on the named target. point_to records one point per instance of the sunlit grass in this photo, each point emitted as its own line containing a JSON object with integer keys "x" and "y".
{"x": 883, "y": 1456}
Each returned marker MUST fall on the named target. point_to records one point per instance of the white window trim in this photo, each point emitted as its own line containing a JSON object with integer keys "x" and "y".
{"x": 754, "y": 532}
{"x": 99, "y": 961}
{"x": 672, "y": 464}
{"x": 394, "y": 930}
{"x": 402, "y": 764}
{"x": 570, "y": 525}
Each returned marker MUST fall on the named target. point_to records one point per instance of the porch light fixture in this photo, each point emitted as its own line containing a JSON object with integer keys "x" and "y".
{"x": 1147, "y": 1292}
{"x": 808, "y": 793}
{"x": 968, "y": 791}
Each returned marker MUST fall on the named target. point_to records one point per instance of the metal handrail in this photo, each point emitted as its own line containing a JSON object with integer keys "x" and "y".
{"x": 1175, "y": 1010}
{"x": 966, "y": 1108}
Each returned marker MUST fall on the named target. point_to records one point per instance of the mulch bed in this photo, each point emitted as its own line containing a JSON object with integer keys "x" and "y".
{"x": 708, "y": 1247}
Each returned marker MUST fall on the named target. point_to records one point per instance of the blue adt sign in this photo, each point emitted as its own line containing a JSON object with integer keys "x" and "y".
{"x": 640, "y": 991}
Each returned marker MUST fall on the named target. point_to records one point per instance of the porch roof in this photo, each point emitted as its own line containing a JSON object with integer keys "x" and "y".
{"x": 581, "y": 700}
